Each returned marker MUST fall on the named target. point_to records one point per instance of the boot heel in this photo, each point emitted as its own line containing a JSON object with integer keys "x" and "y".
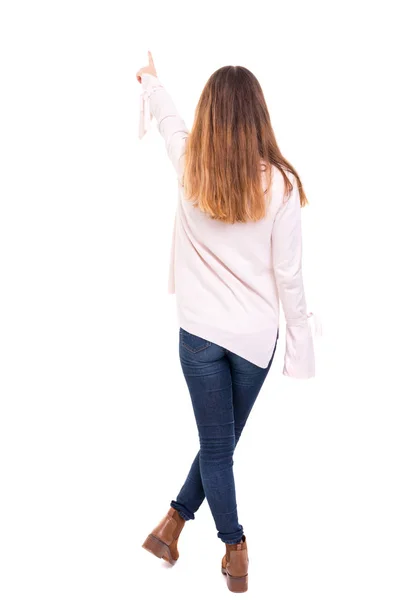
{"x": 237, "y": 584}
{"x": 157, "y": 547}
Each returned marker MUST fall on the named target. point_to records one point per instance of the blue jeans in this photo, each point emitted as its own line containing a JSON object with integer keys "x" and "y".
{"x": 223, "y": 388}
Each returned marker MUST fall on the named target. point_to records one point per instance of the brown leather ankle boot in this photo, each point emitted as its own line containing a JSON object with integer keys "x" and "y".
{"x": 235, "y": 566}
{"x": 163, "y": 540}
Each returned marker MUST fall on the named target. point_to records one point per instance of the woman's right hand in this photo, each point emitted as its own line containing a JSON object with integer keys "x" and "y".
{"x": 150, "y": 68}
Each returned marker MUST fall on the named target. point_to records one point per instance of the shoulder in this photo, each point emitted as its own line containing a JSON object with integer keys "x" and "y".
{"x": 279, "y": 182}
{"x": 287, "y": 192}
{"x": 280, "y": 196}
{"x": 290, "y": 176}
{"x": 278, "y": 175}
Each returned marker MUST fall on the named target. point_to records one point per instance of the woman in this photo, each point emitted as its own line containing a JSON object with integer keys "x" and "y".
{"x": 236, "y": 252}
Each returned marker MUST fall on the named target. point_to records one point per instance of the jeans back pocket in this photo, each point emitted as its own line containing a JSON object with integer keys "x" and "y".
{"x": 192, "y": 342}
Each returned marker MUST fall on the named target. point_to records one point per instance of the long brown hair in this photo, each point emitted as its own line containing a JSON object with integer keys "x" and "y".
{"x": 231, "y": 136}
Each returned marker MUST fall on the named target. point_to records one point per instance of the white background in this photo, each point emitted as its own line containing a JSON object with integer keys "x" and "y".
{"x": 96, "y": 427}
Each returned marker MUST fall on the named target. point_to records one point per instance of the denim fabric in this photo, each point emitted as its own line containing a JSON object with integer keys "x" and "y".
{"x": 223, "y": 388}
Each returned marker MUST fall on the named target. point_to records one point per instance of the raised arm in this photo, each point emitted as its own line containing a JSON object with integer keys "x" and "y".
{"x": 287, "y": 262}
{"x": 170, "y": 124}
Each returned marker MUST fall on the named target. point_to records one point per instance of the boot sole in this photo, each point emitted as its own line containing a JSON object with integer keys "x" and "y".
{"x": 236, "y": 584}
{"x": 158, "y": 548}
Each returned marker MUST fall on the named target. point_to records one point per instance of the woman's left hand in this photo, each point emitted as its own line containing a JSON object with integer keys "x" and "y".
{"x": 150, "y": 68}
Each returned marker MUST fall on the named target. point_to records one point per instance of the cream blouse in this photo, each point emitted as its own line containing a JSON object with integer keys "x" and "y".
{"x": 229, "y": 278}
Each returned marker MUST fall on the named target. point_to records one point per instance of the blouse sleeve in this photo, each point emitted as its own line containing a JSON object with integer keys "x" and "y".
{"x": 156, "y": 101}
{"x": 299, "y": 359}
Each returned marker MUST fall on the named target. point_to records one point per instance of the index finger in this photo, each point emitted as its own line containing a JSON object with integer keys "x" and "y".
{"x": 151, "y": 62}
